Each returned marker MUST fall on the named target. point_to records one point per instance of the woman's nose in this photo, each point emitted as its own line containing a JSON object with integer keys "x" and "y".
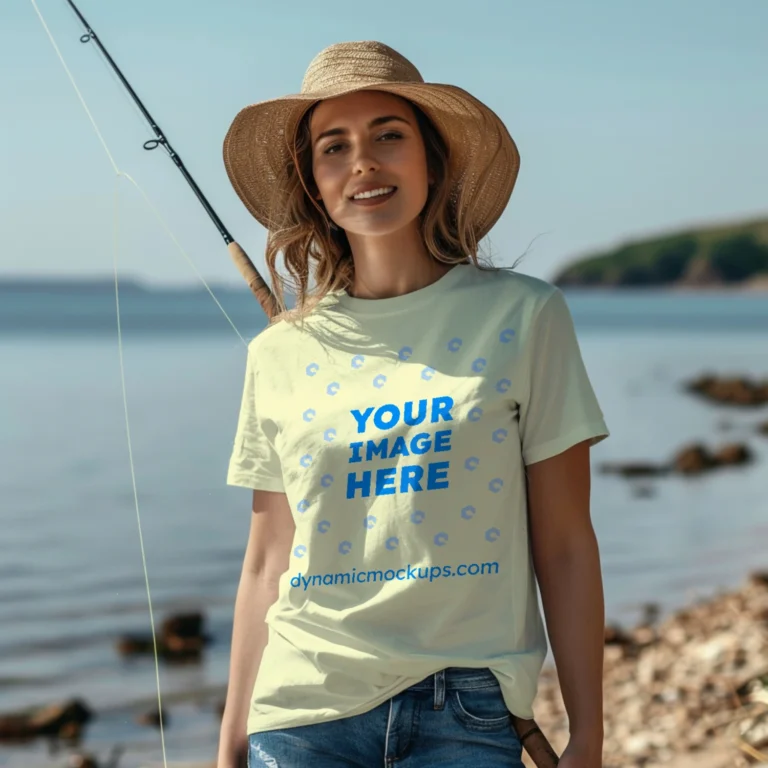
{"x": 364, "y": 160}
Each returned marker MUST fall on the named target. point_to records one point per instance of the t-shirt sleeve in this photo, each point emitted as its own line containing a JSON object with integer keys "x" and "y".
{"x": 560, "y": 408}
{"x": 254, "y": 462}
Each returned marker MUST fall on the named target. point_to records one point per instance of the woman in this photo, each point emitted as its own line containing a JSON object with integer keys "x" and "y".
{"x": 416, "y": 433}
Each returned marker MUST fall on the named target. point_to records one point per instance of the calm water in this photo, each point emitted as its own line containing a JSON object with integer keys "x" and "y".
{"x": 71, "y": 578}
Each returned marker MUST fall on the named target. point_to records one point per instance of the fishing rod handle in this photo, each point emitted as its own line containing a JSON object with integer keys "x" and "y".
{"x": 259, "y": 288}
{"x": 535, "y": 743}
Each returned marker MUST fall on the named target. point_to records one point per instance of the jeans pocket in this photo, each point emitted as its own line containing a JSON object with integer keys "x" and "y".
{"x": 481, "y": 709}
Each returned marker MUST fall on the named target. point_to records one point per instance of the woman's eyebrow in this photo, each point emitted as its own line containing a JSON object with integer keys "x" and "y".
{"x": 376, "y": 121}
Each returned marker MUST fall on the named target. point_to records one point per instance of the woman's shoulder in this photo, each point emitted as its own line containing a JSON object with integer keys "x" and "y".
{"x": 282, "y": 333}
{"x": 267, "y": 339}
{"x": 506, "y": 283}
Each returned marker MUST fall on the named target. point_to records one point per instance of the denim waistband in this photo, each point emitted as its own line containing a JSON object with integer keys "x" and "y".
{"x": 457, "y": 678}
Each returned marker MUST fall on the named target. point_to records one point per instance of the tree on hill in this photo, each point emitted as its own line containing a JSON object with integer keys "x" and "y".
{"x": 739, "y": 257}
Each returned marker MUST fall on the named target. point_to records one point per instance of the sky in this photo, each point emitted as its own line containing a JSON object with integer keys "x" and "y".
{"x": 632, "y": 119}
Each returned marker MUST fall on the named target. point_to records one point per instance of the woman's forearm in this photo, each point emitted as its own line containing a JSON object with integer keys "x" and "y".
{"x": 255, "y": 594}
{"x": 572, "y": 597}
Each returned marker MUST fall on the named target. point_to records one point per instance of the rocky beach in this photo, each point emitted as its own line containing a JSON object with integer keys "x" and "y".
{"x": 690, "y": 690}
{"x": 678, "y": 505}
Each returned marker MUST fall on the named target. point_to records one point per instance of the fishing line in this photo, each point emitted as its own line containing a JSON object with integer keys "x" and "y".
{"x": 116, "y": 243}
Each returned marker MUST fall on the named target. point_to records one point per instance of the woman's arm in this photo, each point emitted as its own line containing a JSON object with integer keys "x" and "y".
{"x": 267, "y": 557}
{"x": 567, "y": 564}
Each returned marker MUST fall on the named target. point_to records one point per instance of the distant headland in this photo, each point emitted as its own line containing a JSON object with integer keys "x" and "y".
{"x": 98, "y": 286}
{"x": 726, "y": 256}
{"x": 732, "y": 256}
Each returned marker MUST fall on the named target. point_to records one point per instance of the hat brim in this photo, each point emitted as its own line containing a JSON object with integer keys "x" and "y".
{"x": 256, "y": 148}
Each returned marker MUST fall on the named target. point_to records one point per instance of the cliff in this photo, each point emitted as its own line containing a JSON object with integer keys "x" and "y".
{"x": 719, "y": 256}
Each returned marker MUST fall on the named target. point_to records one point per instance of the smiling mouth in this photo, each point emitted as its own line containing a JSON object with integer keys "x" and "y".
{"x": 375, "y": 199}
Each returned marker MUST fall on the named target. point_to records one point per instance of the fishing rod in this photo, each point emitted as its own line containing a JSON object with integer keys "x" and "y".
{"x": 242, "y": 261}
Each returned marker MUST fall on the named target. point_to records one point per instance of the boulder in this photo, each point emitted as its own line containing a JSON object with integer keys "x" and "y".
{"x": 733, "y": 455}
{"x": 693, "y": 459}
{"x": 152, "y": 718}
{"x": 181, "y": 638}
{"x": 733, "y": 390}
{"x": 634, "y": 469}
{"x": 63, "y": 720}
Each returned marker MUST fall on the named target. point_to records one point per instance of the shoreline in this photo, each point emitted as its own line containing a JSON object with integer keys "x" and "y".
{"x": 688, "y": 689}
{"x": 675, "y": 689}
{"x": 713, "y": 290}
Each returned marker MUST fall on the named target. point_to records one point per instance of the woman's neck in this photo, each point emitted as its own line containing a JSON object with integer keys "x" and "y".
{"x": 392, "y": 265}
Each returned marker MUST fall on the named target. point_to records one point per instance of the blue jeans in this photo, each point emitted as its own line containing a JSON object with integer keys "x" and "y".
{"x": 455, "y": 718}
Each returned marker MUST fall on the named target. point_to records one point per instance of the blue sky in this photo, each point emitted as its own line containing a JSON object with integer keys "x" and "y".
{"x": 631, "y": 118}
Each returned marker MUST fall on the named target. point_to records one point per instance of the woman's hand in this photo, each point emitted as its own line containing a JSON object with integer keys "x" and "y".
{"x": 578, "y": 755}
{"x": 232, "y": 756}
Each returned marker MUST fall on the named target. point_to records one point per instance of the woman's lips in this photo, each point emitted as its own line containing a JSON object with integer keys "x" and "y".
{"x": 369, "y": 201}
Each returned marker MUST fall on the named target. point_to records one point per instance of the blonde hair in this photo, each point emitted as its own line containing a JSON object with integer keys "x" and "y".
{"x": 309, "y": 242}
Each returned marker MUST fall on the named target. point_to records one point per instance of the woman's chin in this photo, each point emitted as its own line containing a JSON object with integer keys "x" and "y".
{"x": 379, "y": 226}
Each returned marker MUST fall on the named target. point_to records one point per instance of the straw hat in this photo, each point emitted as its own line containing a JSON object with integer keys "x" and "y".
{"x": 256, "y": 147}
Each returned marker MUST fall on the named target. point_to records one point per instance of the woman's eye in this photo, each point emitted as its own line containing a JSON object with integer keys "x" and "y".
{"x": 329, "y": 150}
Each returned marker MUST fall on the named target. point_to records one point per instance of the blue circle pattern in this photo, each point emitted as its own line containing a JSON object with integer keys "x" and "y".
{"x": 492, "y": 534}
{"x": 417, "y": 516}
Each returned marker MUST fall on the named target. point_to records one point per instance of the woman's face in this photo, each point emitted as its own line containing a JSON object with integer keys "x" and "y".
{"x": 369, "y": 140}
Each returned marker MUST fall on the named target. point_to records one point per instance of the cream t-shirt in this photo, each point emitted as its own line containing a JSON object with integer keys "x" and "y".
{"x": 399, "y": 429}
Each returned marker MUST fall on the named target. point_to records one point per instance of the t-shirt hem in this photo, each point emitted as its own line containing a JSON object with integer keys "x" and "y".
{"x": 258, "y": 724}
{"x": 261, "y": 724}
{"x": 597, "y": 431}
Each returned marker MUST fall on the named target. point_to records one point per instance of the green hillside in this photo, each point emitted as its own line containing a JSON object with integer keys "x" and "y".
{"x": 736, "y": 254}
